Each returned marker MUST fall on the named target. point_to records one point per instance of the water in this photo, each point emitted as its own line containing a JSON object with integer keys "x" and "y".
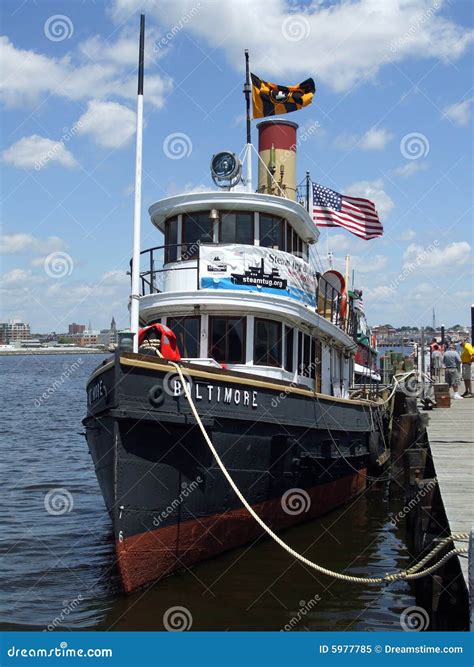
{"x": 57, "y": 567}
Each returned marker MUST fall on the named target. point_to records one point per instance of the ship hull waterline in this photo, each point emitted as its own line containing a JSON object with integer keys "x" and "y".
{"x": 295, "y": 456}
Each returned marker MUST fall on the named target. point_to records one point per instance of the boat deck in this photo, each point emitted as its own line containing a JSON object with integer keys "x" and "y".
{"x": 451, "y": 437}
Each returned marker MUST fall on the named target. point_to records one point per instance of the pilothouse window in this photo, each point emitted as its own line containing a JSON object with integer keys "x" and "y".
{"x": 171, "y": 240}
{"x": 227, "y": 339}
{"x": 237, "y": 228}
{"x": 196, "y": 227}
{"x": 271, "y": 231}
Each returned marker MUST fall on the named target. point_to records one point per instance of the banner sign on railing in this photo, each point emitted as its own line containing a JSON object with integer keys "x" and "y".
{"x": 236, "y": 267}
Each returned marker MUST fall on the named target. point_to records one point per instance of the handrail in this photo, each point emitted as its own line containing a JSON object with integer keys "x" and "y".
{"x": 328, "y": 299}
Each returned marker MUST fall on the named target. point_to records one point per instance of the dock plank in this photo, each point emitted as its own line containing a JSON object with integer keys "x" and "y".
{"x": 451, "y": 437}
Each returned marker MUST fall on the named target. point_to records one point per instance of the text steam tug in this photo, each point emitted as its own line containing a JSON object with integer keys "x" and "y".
{"x": 266, "y": 345}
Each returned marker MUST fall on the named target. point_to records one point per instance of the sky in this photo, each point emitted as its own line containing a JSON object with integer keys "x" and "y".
{"x": 391, "y": 121}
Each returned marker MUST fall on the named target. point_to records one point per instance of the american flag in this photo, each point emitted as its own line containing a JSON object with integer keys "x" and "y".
{"x": 359, "y": 216}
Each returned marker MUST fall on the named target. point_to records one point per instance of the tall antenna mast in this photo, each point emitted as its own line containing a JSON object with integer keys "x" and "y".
{"x": 135, "y": 291}
{"x": 248, "y": 151}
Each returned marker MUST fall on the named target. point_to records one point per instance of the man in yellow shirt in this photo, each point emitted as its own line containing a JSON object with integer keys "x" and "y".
{"x": 467, "y": 357}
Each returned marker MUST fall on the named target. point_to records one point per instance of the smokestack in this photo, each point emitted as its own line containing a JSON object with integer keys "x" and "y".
{"x": 277, "y": 150}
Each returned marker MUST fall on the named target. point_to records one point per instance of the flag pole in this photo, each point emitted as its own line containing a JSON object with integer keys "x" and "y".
{"x": 308, "y": 189}
{"x": 135, "y": 290}
{"x": 248, "y": 153}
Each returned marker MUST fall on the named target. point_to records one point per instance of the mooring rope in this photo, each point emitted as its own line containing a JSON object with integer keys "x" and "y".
{"x": 413, "y": 572}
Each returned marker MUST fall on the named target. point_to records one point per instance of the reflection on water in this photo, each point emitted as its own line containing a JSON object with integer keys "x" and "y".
{"x": 57, "y": 565}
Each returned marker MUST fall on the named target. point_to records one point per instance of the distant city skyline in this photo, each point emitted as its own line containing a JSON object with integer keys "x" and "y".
{"x": 391, "y": 121}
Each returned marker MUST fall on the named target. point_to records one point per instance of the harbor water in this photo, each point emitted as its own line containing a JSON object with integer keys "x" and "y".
{"x": 57, "y": 557}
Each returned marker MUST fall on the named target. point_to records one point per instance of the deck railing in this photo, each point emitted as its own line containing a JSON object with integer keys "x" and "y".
{"x": 151, "y": 258}
{"x": 327, "y": 298}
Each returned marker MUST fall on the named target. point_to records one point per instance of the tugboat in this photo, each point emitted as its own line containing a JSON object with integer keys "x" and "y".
{"x": 266, "y": 345}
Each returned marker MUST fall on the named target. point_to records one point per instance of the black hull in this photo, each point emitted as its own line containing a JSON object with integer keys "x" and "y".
{"x": 294, "y": 456}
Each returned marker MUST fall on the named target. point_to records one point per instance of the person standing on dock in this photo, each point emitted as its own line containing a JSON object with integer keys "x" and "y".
{"x": 467, "y": 357}
{"x": 452, "y": 364}
{"x": 436, "y": 362}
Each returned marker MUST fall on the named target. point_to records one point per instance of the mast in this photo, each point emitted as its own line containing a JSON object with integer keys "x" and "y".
{"x": 248, "y": 152}
{"x": 135, "y": 290}
{"x": 308, "y": 189}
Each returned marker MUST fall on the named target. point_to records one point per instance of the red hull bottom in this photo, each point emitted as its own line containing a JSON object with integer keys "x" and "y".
{"x": 149, "y": 556}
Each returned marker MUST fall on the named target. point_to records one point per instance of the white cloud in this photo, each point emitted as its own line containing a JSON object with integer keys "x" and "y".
{"x": 407, "y": 235}
{"x": 191, "y": 188}
{"x": 23, "y": 243}
{"x": 14, "y": 279}
{"x": 110, "y": 124}
{"x": 346, "y": 141}
{"x": 435, "y": 257}
{"x": 338, "y": 242}
{"x": 374, "y": 191}
{"x": 111, "y": 278}
{"x": 369, "y": 263}
{"x": 37, "y": 152}
{"x": 341, "y": 43}
{"x": 460, "y": 113}
{"x": 375, "y": 139}
{"x": 411, "y": 168}
{"x": 15, "y": 243}
{"x": 27, "y": 76}
{"x": 379, "y": 293}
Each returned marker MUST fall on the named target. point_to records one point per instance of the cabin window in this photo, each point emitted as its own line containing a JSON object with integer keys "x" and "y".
{"x": 237, "y": 228}
{"x": 227, "y": 339}
{"x": 271, "y": 231}
{"x": 196, "y": 227}
{"x": 188, "y": 335}
{"x": 316, "y": 368}
{"x": 304, "y": 354}
{"x": 289, "y": 337}
{"x": 171, "y": 240}
{"x": 267, "y": 343}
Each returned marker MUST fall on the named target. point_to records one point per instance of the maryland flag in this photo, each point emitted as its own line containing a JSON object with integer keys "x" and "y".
{"x": 270, "y": 99}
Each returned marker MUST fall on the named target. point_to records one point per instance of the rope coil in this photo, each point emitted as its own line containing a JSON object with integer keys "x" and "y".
{"x": 410, "y": 573}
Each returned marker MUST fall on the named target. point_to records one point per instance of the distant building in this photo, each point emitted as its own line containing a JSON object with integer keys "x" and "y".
{"x": 384, "y": 330}
{"x": 13, "y": 331}
{"x": 109, "y": 337}
{"x": 77, "y": 328}
{"x": 87, "y": 338}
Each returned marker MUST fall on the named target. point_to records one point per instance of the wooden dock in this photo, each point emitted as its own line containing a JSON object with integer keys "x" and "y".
{"x": 451, "y": 438}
